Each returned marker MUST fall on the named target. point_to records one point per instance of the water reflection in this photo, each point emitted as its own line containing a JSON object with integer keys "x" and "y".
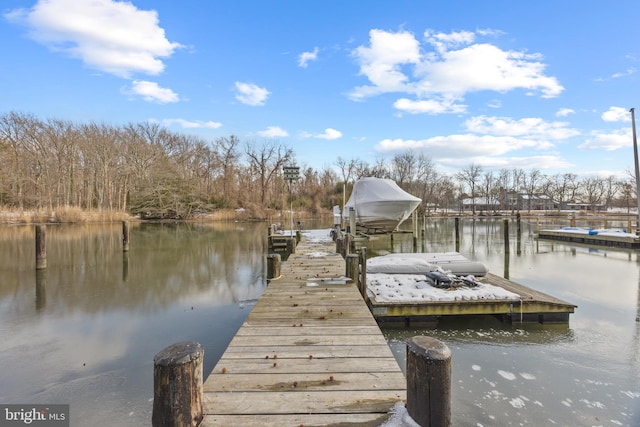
{"x": 85, "y": 330}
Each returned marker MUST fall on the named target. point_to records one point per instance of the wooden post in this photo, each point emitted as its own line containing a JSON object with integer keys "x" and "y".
{"x": 125, "y": 236}
{"x": 518, "y": 226}
{"x": 340, "y": 246}
{"x": 41, "y": 246}
{"x": 274, "y": 262}
{"x": 414, "y": 222}
{"x": 352, "y": 267}
{"x": 429, "y": 382}
{"x": 291, "y": 245}
{"x": 352, "y": 221}
{"x": 177, "y": 385}
{"x": 347, "y": 244}
{"x": 363, "y": 273}
{"x": 457, "y": 226}
{"x": 505, "y": 229}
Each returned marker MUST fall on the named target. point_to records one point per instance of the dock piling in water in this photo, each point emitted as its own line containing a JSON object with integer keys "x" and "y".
{"x": 125, "y": 236}
{"x": 429, "y": 382}
{"x": 178, "y": 385}
{"x": 41, "y": 246}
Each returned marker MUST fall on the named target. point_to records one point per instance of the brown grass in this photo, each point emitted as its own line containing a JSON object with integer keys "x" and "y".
{"x": 67, "y": 215}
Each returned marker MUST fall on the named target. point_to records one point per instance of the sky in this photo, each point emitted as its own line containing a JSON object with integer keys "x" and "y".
{"x": 544, "y": 85}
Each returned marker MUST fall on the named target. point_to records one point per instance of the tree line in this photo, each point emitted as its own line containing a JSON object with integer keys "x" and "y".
{"x": 145, "y": 169}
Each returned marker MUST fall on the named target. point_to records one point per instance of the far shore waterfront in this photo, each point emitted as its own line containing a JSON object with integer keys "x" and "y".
{"x": 74, "y": 215}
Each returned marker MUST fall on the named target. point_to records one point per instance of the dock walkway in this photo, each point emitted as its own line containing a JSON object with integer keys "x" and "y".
{"x": 310, "y": 353}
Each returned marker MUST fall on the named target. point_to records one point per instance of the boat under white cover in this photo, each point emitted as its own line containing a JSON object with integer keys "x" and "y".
{"x": 380, "y": 205}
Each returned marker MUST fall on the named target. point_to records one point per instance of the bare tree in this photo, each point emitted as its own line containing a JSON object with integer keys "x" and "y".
{"x": 346, "y": 169}
{"x": 265, "y": 162}
{"x": 470, "y": 176}
{"x": 229, "y": 156}
{"x": 531, "y": 182}
{"x": 592, "y": 190}
{"x": 561, "y": 188}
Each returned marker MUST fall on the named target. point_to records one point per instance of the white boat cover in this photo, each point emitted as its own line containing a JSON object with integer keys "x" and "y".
{"x": 380, "y": 203}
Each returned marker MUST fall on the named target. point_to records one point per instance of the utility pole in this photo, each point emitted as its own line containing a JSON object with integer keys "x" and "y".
{"x": 635, "y": 158}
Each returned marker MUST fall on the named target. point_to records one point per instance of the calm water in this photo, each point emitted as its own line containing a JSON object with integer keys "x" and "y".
{"x": 85, "y": 332}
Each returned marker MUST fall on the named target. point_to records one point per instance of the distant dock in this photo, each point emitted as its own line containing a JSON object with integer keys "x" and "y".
{"x": 592, "y": 237}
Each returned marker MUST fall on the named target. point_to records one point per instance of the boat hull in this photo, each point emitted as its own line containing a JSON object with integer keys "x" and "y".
{"x": 380, "y": 205}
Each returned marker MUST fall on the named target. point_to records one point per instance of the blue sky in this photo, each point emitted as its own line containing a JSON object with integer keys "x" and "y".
{"x": 501, "y": 84}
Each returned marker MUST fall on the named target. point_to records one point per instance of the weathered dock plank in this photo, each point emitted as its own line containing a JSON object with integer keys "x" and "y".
{"x": 309, "y": 353}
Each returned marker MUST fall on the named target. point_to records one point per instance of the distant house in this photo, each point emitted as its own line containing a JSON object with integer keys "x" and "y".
{"x": 481, "y": 204}
{"x": 511, "y": 200}
{"x": 536, "y": 203}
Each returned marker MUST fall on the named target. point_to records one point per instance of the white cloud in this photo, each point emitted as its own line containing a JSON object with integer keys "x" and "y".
{"x": 395, "y": 62}
{"x": 429, "y": 106}
{"x": 488, "y": 151}
{"x": 616, "y": 114}
{"x": 452, "y": 145}
{"x": 305, "y": 57}
{"x": 251, "y": 94}
{"x": 564, "y": 112}
{"x": 381, "y": 62}
{"x": 608, "y": 141}
{"x": 150, "y": 91}
{"x": 529, "y": 127}
{"x": 329, "y": 134}
{"x": 110, "y": 36}
{"x": 273, "y": 132}
{"x": 190, "y": 124}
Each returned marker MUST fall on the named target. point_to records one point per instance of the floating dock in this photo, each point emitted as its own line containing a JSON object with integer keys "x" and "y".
{"x": 592, "y": 237}
{"x": 533, "y": 306}
{"x": 309, "y": 353}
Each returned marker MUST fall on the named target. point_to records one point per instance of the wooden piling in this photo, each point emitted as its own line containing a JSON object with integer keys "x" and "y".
{"x": 177, "y": 385}
{"x": 340, "y": 246}
{"x": 505, "y": 229}
{"x": 274, "y": 262}
{"x": 363, "y": 273}
{"x": 414, "y": 223}
{"x": 352, "y": 268}
{"x": 125, "y": 236}
{"x": 41, "y": 246}
{"x": 429, "y": 382}
{"x": 352, "y": 221}
{"x": 291, "y": 245}
{"x": 457, "y": 226}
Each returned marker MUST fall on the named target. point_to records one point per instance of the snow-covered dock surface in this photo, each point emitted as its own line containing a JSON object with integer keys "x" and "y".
{"x": 413, "y": 288}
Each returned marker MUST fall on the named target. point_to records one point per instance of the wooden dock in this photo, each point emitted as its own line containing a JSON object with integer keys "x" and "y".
{"x": 626, "y": 242}
{"x": 309, "y": 354}
{"x": 533, "y": 306}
